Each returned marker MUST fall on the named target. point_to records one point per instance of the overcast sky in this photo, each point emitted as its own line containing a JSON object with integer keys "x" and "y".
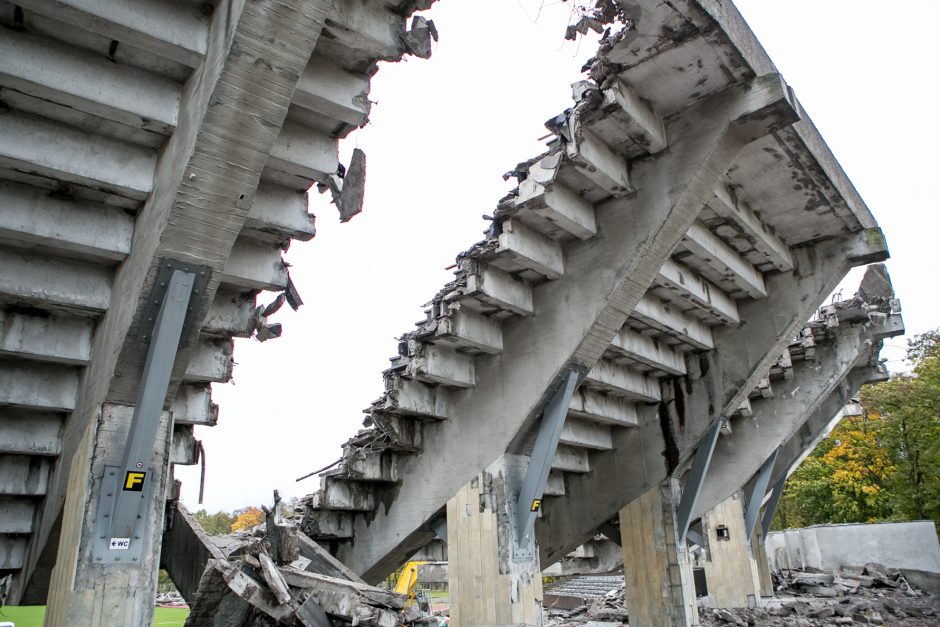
{"x": 442, "y": 133}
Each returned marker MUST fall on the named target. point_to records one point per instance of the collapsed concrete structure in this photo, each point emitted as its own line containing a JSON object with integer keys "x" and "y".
{"x": 154, "y": 163}
{"x": 593, "y": 358}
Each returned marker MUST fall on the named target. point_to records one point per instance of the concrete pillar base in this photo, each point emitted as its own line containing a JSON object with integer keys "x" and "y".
{"x": 659, "y": 588}
{"x": 491, "y": 582}
{"x": 763, "y": 566}
{"x": 84, "y": 590}
{"x": 730, "y": 567}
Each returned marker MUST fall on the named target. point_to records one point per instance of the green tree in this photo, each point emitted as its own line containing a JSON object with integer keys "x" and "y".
{"x": 215, "y": 524}
{"x": 883, "y": 465}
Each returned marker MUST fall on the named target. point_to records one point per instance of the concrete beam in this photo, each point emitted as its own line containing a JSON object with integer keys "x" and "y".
{"x": 55, "y": 338}
{"x": 598, "y": 163}
{"x": 340, "y": 494}
{"x": 491, "y": 288}
{"x": 683, "y": 286}
{"x": 193, "y": 405}
{"x": 16, "y": 514}
{"x": 184, "y": 449}
{"x": 255, "y": 266}
{"x": 555, "y": 486}
{"x": 468, "y": 330}
{"x": 232, "y": 313}
{"x": 279, "y": 214}
{"x": 647, "y": 351}
{"x": 55, "y": 151}
{"x": 212, "y": 361}
{"x": 175, "y": 31}
{"x": 39, "y": 386}
{"x": 570, "y": 459}
{"x": 668, "y": 320}
{"x": 27, "y": 432}
{"x": 88, "y": 82}
{"x": 404, "y": 396}
{"x": 12, "y": 552}
{"x": 53, "y": 284}
{"x": 329, "y": 525}
{"x": 627, "y": 123}
{"x": 521, "y": 248}
{"x": 640, "y": 232}
{"x": 300, "y": 156}
{"x": 367, "y": 28}
{"x": 328, "y": 90}
{"x": 30, "y": 215}
{"x": 551, "y": 207}
{"x": 620, "y": 381}
{"x": 581, "y": 434}
{"x": 603, "y": 408}
{"x": 752, "y": 229}
{"x": 720, "y": 263}
{"x": 21, "y": 475}
{"x": 437, "y": 364}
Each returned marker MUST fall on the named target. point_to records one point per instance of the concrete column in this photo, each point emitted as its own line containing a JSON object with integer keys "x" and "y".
{"x": 85, "y": 590}
{"x": 730, "y": 567}
{"x": 763, "y": 566}
{"x": 491, "y": 582}
{"x": 659, "y": 589}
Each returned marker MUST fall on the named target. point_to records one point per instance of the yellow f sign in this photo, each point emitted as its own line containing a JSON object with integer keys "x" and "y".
{"x": 134, "y": 481}
{"x": 536, "y": 504}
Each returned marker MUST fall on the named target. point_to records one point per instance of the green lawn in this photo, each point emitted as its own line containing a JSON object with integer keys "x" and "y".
{"x": 31, "y": 616}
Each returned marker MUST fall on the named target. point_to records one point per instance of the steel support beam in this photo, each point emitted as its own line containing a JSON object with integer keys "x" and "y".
{"x": 693, "y": 485}
{"x": 771, "y": 507}
{"x": 529, "y": 501}
{"x": 130, "y": 482}
{"x": 756, "y": 497}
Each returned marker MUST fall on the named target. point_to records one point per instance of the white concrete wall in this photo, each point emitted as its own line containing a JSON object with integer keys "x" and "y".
{"x": 896, "y": 545}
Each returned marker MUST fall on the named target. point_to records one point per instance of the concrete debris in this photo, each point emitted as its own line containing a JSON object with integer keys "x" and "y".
{"x": 868, "y": 595}
{"x": 418, "y": 39}
{"x": 347, "y": 186}
{"x": 269, "y": 577}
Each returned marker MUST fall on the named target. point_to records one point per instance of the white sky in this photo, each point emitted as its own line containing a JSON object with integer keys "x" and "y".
{"x": 442, "y": 133}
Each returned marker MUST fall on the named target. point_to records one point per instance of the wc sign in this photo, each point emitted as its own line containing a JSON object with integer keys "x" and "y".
{"x": 119, "y": 544}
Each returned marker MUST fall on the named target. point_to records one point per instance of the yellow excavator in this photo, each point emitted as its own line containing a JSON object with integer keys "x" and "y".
{"x": 408, "y": 581}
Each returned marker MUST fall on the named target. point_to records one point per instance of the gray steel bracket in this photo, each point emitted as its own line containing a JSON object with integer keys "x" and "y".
{"x": 771, "y": 506}
{"x": 119, "y": 549}
{"x": 693, "y": 485}
{"x": 528, "y": 504}
{"x": 123, "y": 500}
{"x": 756, "y": 497}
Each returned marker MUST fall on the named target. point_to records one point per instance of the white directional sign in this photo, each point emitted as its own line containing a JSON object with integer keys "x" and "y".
{"x": 119, "y": 544}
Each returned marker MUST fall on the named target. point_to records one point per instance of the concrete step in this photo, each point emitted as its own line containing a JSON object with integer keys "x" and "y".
{"x": 525, "y": 252}
{"x": 587, "y": 435}
{"x": 322, "y": 524}
{"x": 21, "y": 475}
{"x": 491, "y": 290}
{"x": 53, "y": 284}
{"x": 682, "y": 330}
{"x": 721, "y": 264}
{"x": 603, "y": 408}
{"x": 24, "y": 431}
{"x": 407, "y": 397}
{"x": 465, "y": 329}
{"x": 439, "y": 364}
{"x": 621, "y": 381}
{"x": 570, "y": 459}
{"x": 646, "y": 353}
{"x": 50, "y": 338}
{"x": 343, "y": 494}
{"x": 685, "y": 288}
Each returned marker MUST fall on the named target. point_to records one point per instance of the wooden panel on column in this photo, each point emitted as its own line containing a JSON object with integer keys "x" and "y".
{"x": 730, "y": 568}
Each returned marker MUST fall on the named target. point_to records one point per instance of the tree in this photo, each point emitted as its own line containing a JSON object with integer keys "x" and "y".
{"x": 884, "y": 465}
{"x": 247, "y": 518}
{"x": 215, "y": 524}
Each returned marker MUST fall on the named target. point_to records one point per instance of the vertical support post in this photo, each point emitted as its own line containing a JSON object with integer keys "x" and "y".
{"x": 693, "y": 485}
{"x": 658, "y": 583}
{"x": 756, "y": 498}
{"x": 529, "y": 501}
{"x": 730, "y": 568}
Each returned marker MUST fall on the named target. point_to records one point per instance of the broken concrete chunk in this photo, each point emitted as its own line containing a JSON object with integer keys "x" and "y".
{"x": 418, "y": 40}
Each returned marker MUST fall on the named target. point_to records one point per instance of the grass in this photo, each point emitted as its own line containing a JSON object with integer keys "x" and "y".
{"x": 32, "y": 616}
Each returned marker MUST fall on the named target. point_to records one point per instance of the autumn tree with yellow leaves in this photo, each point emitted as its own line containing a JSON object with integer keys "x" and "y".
{"x": 882, "y": 465}
{"x": 247, "y": 518}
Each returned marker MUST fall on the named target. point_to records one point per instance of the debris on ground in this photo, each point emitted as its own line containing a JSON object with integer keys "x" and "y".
{"x": 275, "y": 575}
{"x": 865, "y": 595}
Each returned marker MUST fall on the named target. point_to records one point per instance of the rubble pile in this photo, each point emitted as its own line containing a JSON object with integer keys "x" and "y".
{"x": 275, "y": 575}
{"x": 868, "y": 595}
